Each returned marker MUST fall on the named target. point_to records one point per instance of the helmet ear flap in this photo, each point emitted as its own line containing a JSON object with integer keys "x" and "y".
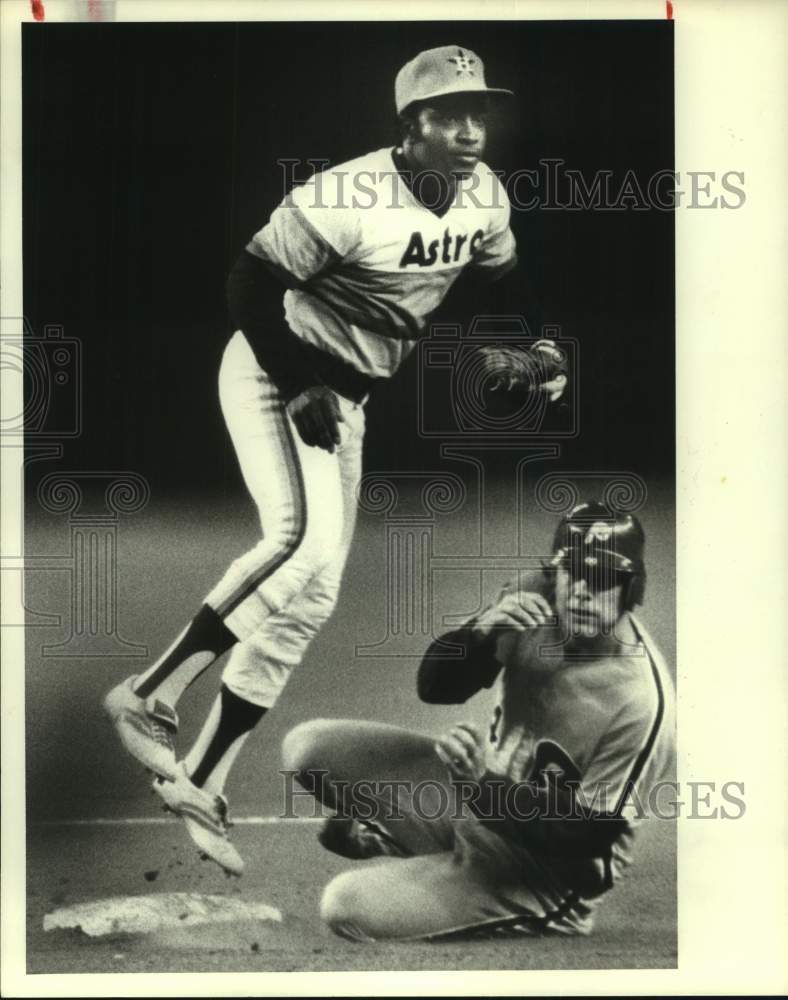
{"x": 635, "y": 591}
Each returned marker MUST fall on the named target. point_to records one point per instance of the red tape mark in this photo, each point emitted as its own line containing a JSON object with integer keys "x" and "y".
{"x": 669, "y": 10}
{"x": 37, "y": 7}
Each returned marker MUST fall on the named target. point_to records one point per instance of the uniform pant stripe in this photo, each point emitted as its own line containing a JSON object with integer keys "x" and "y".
{"x": 537, "y": 924}
{"x": 550, "y": 916}
{"x": 292, "y": 467}
{"x": 561, "y": 911}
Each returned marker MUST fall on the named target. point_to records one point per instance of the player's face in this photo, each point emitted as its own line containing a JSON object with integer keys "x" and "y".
{"x": 451, "y": 135}
{"x": 588, "y": 608}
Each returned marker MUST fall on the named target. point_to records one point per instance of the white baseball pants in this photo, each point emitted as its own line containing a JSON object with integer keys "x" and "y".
{"x": 277, "y": 595}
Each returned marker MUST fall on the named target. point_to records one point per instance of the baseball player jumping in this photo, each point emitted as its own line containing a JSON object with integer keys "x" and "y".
{"x": 327, "y": 298}
{"x": 527, "y": 825}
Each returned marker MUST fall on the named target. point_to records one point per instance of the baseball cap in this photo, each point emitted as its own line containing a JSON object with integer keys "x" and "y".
{"x": 449, "y": 69}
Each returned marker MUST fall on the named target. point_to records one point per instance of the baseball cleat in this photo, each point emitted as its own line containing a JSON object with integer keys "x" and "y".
{"x": 348, "y": 838}
{"x": 205, "y": 816}
{"x": 146, "y": 728}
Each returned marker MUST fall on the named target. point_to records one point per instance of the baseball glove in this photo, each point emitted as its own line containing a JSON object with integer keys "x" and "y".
{"x": 540, "y": 367}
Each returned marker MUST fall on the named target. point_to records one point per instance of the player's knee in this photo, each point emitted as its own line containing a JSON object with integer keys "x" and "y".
{"x": 301, "y": 746}
{"x": 319, "y": 551}
{"x": 321, "y": 603}
{"x": 343, "y": 907}
{"x": 280, "y": 543}
{"x": 285, "y": 536}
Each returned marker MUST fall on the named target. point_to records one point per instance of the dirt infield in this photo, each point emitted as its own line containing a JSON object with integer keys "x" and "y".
{"x": 287, "y": 869}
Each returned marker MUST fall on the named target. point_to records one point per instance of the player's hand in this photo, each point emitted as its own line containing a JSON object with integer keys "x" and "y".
{"x": 317, "y": 416}
{"x": 520, "y": 764}
{"x": 462, "y": 751}
{"x": 519, "y": 610}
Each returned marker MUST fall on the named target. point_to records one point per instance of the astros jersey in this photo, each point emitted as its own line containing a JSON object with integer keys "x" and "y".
{"x": 366, "y": 262}
{"x": 607, "y": 724}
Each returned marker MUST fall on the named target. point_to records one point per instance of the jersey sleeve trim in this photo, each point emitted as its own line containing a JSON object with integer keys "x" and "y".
{"x": 288, "y": 279}
{"x": 275, "y": 244}
{"x": 490, "y": 274}
{"x": 648, "y": 747}
{"x": 315, "y": 234}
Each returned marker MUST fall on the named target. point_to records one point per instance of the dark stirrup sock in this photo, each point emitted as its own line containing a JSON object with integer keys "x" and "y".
{"x": 205, "y": 639}
{"x": 237, "y": 717}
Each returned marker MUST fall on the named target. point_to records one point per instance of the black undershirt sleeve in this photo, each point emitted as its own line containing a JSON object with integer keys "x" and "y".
{"x": 255, "y": 294}
{"x": 255, "y": 305}
{"x": 446, "y": 680}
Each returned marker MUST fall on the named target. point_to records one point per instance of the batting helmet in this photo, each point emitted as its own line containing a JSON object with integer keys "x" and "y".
{"x": 602, "y": 547}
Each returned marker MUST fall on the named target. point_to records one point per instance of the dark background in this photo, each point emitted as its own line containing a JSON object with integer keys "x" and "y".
{"x": 150, "y": 157}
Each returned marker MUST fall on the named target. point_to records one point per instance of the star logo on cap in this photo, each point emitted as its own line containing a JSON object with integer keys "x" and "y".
{"x": 463, "y": 63}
